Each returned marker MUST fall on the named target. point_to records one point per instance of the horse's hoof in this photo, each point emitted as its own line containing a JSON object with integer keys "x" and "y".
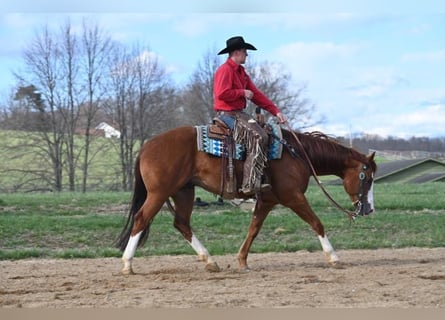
{"x": 128, "y": 272}
{"x": 332, "y": 259}
{"x": 245, "y": 269}
{"x": 212, "y": 267}
{"x": 202, "y": 257}
{"x": 338, "y": 265}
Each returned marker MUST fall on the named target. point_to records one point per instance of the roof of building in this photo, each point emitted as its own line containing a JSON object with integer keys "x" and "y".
{"x": 411, "y": 171}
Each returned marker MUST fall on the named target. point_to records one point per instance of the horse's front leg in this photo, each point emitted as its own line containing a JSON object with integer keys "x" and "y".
{"x": 328, "y": 250}
{"x": 259, "y": 215}
{"x": 302, "y": 208}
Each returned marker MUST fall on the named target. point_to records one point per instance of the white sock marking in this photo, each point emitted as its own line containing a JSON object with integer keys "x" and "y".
{"x": 200, "y": 249}
{"x": 328, "y": 249}
{"x": 130, "y": 250}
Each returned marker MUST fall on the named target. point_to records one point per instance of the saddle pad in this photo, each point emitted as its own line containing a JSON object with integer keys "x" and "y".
{"x": 217, "y": 147}
{"x": 276, "y": 147}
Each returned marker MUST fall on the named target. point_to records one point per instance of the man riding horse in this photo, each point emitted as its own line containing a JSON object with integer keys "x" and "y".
{"x": 232, "y": 88}
{"x": 170, "y": 165}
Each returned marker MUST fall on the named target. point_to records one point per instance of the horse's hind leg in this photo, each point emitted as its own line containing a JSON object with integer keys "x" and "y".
{"x": 256, "y": 222}
{"x": 142, "y": 221}
{"x": 183, "y": 200}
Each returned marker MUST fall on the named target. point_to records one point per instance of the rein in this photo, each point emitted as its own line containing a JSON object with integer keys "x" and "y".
{"x": 351, "y": 214}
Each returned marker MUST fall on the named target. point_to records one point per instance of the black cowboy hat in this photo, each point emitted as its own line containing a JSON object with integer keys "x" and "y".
{"x": 236, "y": 43}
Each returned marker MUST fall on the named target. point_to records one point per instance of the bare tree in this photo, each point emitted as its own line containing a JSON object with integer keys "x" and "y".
{"x": 95, "y": 47}
{"x": 120, "y": 104}
{"x": 68, "y": 105}
{"x": 41, "y": 76}
{"x": 52, "y": 66}
{"x": 35, "y": 174}
{"x": 163, "y": 110}
{"x": 19, "y": 114}
{"x": 276, "y": 84}
{"x": 70, "y": 74}
{"x": 68, "y": 70}
{"x": 197, "y": 96}
{"x": 141, "y": 97}
{"x": 153, "y": 92}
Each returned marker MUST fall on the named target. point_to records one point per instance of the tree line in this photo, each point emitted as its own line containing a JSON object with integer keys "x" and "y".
{"x": 365, "y": 143}
{"x": 72, "y": 80}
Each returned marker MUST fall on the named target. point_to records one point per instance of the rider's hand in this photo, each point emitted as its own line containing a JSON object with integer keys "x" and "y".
{"x": 248, "y": 94}
{"x": 281, "y": 117}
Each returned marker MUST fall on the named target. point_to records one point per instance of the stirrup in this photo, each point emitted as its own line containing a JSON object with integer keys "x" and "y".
{"x": 247, "y": 191}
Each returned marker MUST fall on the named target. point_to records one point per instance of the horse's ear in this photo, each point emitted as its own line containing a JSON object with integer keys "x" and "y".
{"x": 371, "y": 156}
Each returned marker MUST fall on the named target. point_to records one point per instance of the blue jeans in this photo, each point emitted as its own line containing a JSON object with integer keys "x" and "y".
{"x": 228, "y": 120}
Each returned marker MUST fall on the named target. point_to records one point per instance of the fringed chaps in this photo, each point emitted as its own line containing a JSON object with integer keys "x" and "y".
{"x": 249, "y": 133}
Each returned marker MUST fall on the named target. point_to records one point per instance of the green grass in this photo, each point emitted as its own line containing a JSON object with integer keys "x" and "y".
{"x": 23, "y": 157}
{"x": 75, "y": 225}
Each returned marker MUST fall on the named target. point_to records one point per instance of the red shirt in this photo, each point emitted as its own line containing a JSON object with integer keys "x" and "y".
{"x": 228, "y": 90}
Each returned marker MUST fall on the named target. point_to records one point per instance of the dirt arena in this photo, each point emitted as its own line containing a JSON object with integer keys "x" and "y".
{"x": 412, "y": 277}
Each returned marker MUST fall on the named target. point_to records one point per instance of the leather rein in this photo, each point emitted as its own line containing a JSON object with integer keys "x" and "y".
{"x": 351, "y": 214}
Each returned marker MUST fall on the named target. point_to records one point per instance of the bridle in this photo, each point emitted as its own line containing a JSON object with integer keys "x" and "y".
{"x": 362, "y": 197}
{"x": 365, "y": 186}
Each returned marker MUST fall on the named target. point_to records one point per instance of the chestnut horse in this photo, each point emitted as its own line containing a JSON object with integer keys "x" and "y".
{"x": 170, "y": 166}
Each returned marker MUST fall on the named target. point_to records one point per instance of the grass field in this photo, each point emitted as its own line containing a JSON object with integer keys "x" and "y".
{"x": 23, "y": 164}
{"x": 68, "y": 225}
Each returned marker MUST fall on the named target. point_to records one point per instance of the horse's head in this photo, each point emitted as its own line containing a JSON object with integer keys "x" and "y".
{"x": 358, "y": 183}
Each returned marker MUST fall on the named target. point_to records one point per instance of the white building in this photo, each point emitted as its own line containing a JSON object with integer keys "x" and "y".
{"x": 109, "y": 131}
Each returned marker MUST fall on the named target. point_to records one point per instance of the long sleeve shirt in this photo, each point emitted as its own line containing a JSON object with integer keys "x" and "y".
{"x": 230, "y": 81}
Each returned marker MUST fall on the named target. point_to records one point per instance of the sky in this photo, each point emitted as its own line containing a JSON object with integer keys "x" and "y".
{"x": 368, "y": 66}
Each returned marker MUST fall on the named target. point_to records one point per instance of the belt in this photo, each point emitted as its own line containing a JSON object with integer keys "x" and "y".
{"x": 229, "y": 113}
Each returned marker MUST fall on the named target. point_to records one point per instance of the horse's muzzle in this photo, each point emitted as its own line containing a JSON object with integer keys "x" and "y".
{"x": 363, "y": 208}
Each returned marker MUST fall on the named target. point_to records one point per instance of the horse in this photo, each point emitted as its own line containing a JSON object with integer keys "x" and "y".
{"x": 170, "y": 166}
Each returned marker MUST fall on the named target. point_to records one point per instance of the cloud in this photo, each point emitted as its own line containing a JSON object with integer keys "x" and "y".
{"x": 421, "y": 122}
{"x": 151, "y": 57}
{"x": 377, "y": 82}
{"x": 433, "y": 115}
{"x": 384, "y": 121}
{"x": 195, "y": 25}
{"x": 420, "y": 29}
{"x": 301, "y": 20}
{"x": 427, "y": 56}
{"x": 315, "y": 62}
{"x": 317, "y": 51}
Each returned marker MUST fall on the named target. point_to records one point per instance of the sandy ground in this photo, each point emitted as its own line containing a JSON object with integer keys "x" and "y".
{"x": 412, "y": 277}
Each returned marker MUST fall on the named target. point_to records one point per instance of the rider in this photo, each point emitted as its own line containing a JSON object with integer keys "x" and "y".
{"x": 232, "y": 88}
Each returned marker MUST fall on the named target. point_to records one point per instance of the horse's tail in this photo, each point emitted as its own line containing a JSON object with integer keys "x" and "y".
{"x": 139, "y": 197}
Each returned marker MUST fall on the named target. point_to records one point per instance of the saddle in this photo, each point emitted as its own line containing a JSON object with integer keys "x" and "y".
{"x": 217, "y": 140}
{"x": 220, "y": 131}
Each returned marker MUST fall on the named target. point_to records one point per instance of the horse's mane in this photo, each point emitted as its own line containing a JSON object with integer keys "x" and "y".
{"x": 324, "y": 150}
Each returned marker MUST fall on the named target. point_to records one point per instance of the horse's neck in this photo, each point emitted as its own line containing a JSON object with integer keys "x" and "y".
{"x": 329, "y": 159}
{"x": 328, "y": 166}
